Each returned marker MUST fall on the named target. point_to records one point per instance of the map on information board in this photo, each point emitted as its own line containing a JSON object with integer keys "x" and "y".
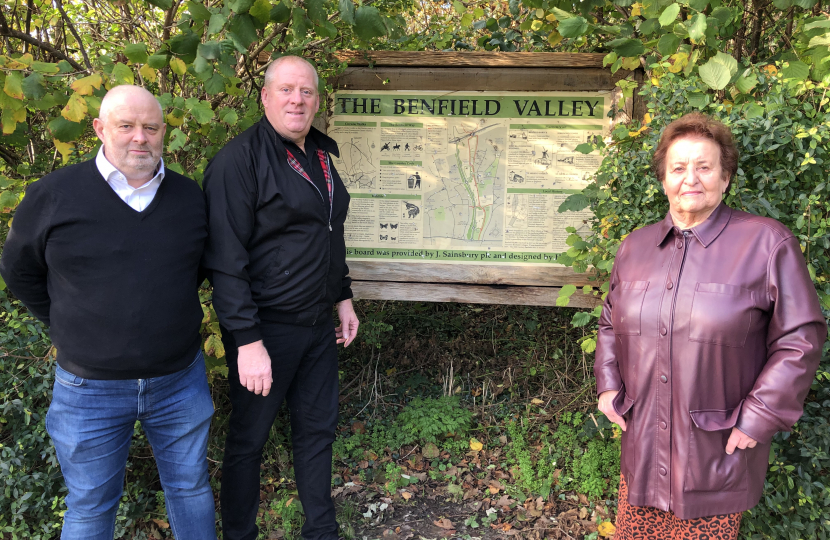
{"x": 468, "y": 177}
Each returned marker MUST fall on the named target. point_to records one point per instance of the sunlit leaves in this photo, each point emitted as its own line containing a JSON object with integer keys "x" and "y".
{"x": 14, "y": 85}
{"x": 148, "y": 73}
{"x": 697, "y": 28}
{"x": 178, "y": 66}
{"x": 87, "y": 85}
{"x": 669, "y": 14}
{"x": 718, "y": 71}
{"x": 75, "y": 109}
{"x": 746, "y": 82}
{"x": 261, "y": 11}
{"x": 121, "y": 74}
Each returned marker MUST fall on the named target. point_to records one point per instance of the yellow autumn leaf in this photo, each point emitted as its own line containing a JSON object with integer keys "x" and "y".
{"x": 178, "y": 66}
{"x": 64, "y": 148}
{"x": 9, "y": 123}
{"x": 475, "y": 446}
{"x": 636, "y": 10}
{"x": 19, "y": 63}
{"x": 86, "y": 85}
{"x": 655, "y": 81}
{"x": 647, "y": 118}
{"x": 550, "y": 17}
{"x": 554, "y": 37}
{"x": 174, "y": 120}
{"x": 19, "y": 115}
{"x": 772, "y": 70}
{"x": 75, "y": 109}
{"x": 14, "y": 86}
{"x": 606, "y": 529}
{"x": 148, "y": 73}
{"x": 678, "y": 62}
{"x": 536, "y": 401}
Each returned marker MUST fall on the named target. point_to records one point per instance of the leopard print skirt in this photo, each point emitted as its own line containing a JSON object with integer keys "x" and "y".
{"x": 646, "y": 523}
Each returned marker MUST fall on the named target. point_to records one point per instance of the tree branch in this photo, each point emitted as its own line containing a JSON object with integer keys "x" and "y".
{"x": 71, "y": 26}
{"x": 11, "y": 32}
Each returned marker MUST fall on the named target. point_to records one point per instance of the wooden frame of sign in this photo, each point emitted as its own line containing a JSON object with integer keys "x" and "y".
{"x": 480, "y": 71}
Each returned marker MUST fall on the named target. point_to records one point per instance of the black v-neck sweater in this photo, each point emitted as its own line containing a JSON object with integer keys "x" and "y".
{"x": 118, "y": 287}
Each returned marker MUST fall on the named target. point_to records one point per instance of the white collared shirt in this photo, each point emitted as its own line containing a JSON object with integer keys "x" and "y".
{"x": 138, "y": 198}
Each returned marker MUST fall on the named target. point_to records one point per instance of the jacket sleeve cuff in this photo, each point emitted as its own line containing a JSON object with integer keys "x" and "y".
{"x": 345, "y": 294}
{"x": 608, "y": 385}
{"x": 246, "y": 336}
{"x": 757, "y": 425}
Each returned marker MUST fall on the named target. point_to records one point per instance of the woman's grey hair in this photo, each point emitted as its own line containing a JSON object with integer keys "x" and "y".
{"x": 269, "y": 73}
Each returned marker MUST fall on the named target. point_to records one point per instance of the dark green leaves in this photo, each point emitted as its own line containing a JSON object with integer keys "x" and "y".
{"x": 368, "y": 23}
{"x": 34, "y": 86}
{"x": 163, "y": 4}
{"x": 64, "y": 130}
{"x": 347, "y": 11}
{"x": 198, "y": 12}
{"x": 315, "y": 11}
{"x": 210, "y": 50}
{"x": 185, "y": 45}
{"x": 241, "y": 30}
{"x": 240, "y": 6}
{"x": 627, "y": 47}
{"x": 574, "y": 203}
{"x": 136, "y": 53}
{"x": 668, "y": 44}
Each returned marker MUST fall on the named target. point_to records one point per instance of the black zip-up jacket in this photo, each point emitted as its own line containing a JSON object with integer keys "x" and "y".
{"x": 275, "y": 252}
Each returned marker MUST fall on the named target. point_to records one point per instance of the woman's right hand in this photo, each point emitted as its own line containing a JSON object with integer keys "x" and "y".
{"x": 605, "y": 405}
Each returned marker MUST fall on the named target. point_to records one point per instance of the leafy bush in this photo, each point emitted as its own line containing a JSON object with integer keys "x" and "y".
{"x": 426, "y": 420}
{"x": 782, "y": 131}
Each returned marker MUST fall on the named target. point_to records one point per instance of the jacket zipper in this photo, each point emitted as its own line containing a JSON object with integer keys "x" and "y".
{"x": 671, "y": 332}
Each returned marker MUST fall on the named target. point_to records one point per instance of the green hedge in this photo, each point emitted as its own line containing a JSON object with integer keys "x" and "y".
{"x": 782, "y": 133}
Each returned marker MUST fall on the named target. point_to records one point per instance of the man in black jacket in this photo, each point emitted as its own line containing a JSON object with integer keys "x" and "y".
{"x": 106, "y": 253}
{"x": 277, "y": 260}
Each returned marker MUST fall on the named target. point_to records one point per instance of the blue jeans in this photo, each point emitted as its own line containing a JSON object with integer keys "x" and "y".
{"x": 91, "y": 424}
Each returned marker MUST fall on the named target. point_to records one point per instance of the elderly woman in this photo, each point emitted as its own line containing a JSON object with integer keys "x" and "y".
{"x": 709, "y": 340}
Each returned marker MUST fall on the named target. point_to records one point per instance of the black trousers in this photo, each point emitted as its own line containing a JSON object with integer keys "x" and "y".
{"x": 304, "y": 367}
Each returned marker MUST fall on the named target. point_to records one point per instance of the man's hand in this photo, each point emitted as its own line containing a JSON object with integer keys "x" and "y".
{"x": 739, "y": 439}
{"x": 605, "y": 405}
{"x": 255, "y": 368}
{"x": 347, "y": 330}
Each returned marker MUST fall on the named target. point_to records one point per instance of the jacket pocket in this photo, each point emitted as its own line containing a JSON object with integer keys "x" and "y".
{"x": 721, "y": 314}
{"x": 709, "y": 467}
{"x": 622, "y": 402}
{"x": 272, "y": 270}
{"x": 628, "y": 307}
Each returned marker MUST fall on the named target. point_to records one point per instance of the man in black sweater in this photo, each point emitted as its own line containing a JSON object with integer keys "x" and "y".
{"x": 277, "y": 260}
{"x": 107, "y": 253}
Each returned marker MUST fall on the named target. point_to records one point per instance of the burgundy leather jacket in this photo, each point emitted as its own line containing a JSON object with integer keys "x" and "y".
{"x": 702, "y": 331}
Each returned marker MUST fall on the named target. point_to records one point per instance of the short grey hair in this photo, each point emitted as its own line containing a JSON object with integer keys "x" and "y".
{"x": 120, "y": 92}
{"x": 269, "y": 73}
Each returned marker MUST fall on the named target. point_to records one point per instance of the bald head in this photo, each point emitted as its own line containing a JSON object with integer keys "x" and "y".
{"x": 272, "y": 69}
{"x": 125, "y": 93}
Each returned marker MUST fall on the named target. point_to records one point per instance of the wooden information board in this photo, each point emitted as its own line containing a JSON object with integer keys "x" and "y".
{"x": 457, "y": 164}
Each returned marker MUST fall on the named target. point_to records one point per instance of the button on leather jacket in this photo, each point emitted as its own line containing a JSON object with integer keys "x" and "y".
{"x": 702, "y": 331}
